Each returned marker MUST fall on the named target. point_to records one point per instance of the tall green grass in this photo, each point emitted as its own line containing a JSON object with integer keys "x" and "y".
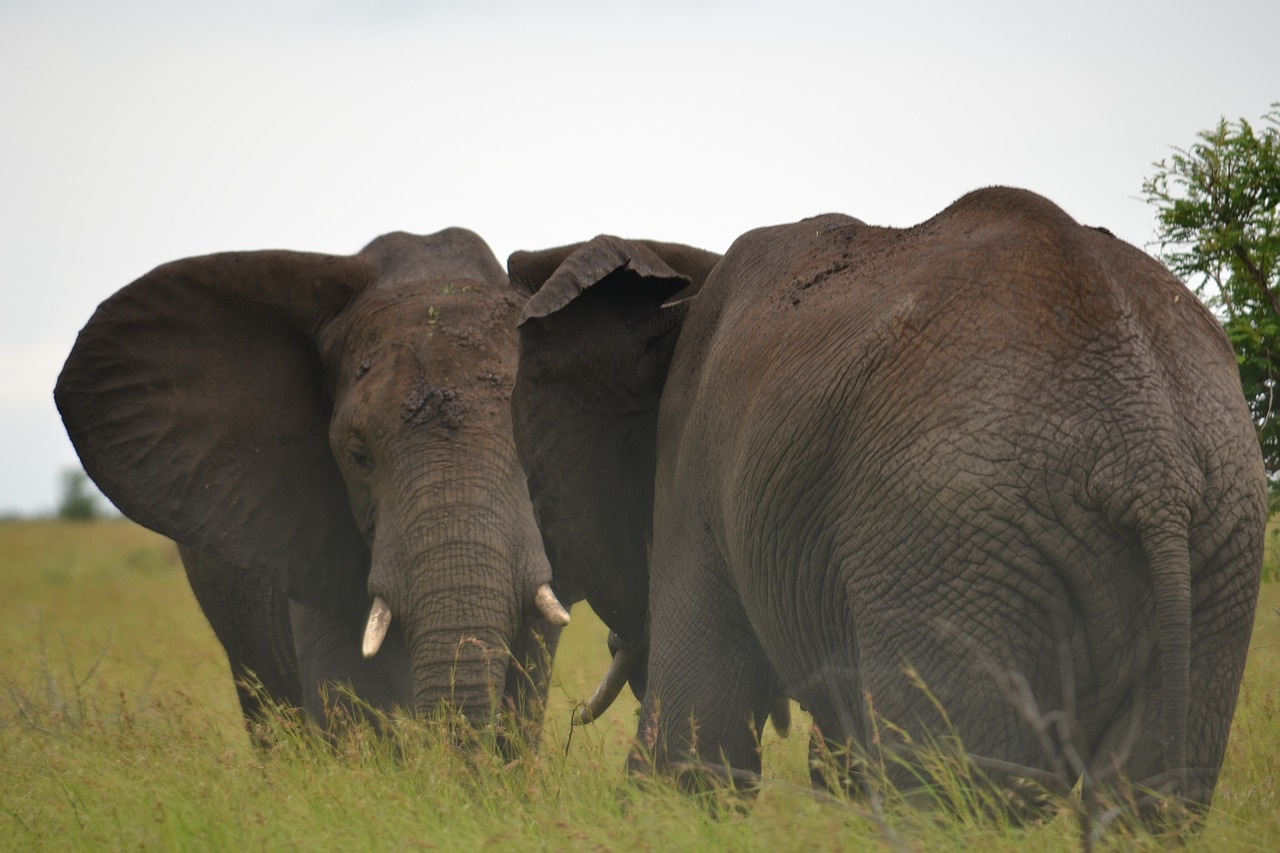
{"x": 119, "y": 728}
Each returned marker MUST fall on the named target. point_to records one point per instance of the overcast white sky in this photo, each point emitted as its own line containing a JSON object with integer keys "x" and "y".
{"x": 135, "y": 132}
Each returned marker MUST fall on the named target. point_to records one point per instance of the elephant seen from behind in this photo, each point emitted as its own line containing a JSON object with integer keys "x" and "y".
{"x": 998, "y": 454}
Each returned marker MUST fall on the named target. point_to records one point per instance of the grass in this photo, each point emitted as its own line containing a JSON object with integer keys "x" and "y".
{"x": 119, "y": 728}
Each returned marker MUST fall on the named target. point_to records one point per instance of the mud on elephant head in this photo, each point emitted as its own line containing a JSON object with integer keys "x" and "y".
{"x": 326, "y": 436}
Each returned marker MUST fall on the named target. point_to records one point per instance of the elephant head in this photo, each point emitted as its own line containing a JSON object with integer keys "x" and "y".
{"x": 328, "y": 439}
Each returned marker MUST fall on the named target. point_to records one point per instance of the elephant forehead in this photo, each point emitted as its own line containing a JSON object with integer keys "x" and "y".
{"x": 387, "y": 313}
{"x": 396, "y": 386}
{"x": 395, "y": 342}
{"x": 419, "y": 378}
{"x": 464, "y": 313}
{"x": 381, "y": 375}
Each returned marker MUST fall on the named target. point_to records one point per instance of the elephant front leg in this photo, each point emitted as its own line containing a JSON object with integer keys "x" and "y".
{"x": 251, "y": 620}
{"x": 329, "y": 654}
{"x": 709, "y": 690}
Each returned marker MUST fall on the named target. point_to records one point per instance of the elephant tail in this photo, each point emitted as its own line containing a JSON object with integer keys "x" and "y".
{"x": 1170, "y": 561}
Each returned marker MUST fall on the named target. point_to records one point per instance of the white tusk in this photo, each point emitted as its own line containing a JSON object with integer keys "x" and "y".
{"x": 624, "y": 661}
{"x": 550, "y": 606}
{"x": 376, "y": 631}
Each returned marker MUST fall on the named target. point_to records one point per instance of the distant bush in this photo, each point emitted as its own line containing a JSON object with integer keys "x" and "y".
{"x": 79, "y": 502}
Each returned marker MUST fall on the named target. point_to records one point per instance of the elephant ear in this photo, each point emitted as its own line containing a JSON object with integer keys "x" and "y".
{"x": 528, "y": 271}
{"x": 595, "y": 344}
{"x": 597, "y": 261}
{"x": 531, "y": 270}
{"x": 198, "y": 404}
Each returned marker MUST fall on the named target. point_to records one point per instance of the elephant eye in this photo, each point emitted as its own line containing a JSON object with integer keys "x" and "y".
{"x": 360, "y": 455}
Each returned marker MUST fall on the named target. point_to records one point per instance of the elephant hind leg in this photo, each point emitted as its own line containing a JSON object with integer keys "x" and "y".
{"x": 841, "y": 737}
{"x": 710, "y": 687}
{"x": 1127, "y": 758}
{"x": 837, "y": 765}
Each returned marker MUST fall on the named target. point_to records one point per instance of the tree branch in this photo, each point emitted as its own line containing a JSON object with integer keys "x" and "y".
{"x": 1255, "y": 274}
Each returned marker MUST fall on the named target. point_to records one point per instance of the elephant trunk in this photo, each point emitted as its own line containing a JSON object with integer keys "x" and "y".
{"x": 459, "y": 627}
{"x": 379, "y": 622}
{"x": 460, "y": 673}
{"x": 451, "y": 579}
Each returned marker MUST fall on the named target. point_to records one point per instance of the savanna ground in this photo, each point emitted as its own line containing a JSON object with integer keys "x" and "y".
{"x": 119, "y": 728}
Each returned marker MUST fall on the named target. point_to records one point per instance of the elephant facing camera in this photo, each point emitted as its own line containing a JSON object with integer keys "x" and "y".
{"x": 328, "y": 440}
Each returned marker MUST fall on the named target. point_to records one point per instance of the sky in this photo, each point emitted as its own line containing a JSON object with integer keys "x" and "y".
{"x": 135, "y": 132}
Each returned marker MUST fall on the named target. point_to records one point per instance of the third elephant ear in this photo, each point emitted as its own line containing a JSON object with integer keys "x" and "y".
{"x": 947, "y": 477}
{"x": 618, "y": 292}
{"x": 530, "y": 270}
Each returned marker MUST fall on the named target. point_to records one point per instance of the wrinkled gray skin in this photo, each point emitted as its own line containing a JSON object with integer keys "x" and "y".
{"x": 999, "y": 448}
{"x": 314, "y": 430}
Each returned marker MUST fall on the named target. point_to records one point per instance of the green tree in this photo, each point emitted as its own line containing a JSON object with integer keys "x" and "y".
{"x": 1218, "y": 225}
{"x": 79, "y": 502}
